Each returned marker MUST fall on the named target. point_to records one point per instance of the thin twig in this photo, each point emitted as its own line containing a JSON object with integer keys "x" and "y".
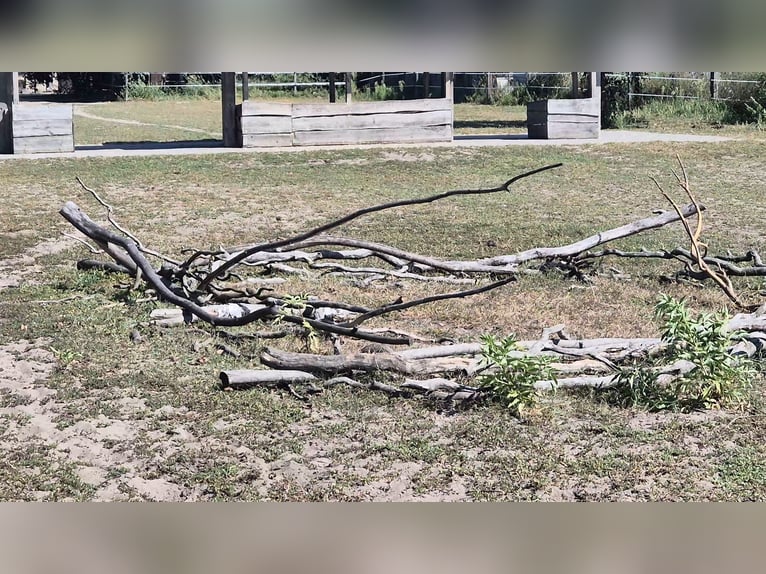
{"x": 121, "y": 229}
{"x": 85, "y": 243}
{"x": 406, "y": 305}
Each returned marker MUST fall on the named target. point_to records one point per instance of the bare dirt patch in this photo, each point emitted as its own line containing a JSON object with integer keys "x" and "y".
{"x": 21, "y": 268}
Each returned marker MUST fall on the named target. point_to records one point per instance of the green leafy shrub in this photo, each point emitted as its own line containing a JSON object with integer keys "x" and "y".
{"x": 509, "y": 376}
{"x": 719, "y": 378}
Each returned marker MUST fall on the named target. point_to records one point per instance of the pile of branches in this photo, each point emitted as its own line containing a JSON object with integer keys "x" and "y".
{"x": 231, "y": 287}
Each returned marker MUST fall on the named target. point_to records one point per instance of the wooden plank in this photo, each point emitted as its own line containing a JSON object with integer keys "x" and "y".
{"x": 382, "y": 120}
{"x": 251, "y": 108}
{"x": 267, "y": 140}
{"x": 377, "y": 135}
{"x": 29, "y": 111}
{"x": 43, "y": 127}
{"x": 573, "y": 131}
{"x": 43, "y": 144}
{"x": 358, "y": 108}
{"x": 229, "y": 109}
{"x": 563, "y": 131}
{"x": 449, "y": 86}
{"x": 266, "y": 124}
{"x": 587, "y": 106}
{"x": 541, "y": 118}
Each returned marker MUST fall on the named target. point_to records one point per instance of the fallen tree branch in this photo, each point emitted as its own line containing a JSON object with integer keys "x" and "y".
{"x": 359, "y": 213}
{"x": 593, "y": 241}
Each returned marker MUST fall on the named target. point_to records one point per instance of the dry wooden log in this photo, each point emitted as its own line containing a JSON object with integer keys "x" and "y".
{"x": 593, "y": 241}
{"x": 508, "y": 264}
{"x": 367, "y": 362}
{"x": 249, "y": 378}
{"x": 174, "y": 316}
{"x": 372, "y": 385}
{"x": 335, "y": 269}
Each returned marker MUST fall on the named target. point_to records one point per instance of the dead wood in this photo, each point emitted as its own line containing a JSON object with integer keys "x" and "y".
{"x": 364, "y": 362}
{"x": 209, "y": 277}
{"x": 355, "y": 215}
{"x": 593, "y": 241}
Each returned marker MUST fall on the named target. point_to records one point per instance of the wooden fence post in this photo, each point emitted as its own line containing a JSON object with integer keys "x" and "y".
{"x": 714, "y": 77}
{"x": 331, "y": 86}
{"x": 8, "y": 96}
{"x": 348, "y": 87}
{"x": 449, "y": 85}
{"x": 245, "y": 86}
{"x": 229, "y": 109}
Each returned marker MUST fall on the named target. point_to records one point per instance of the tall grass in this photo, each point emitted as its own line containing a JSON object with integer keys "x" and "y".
{"x": 700, "y": 111}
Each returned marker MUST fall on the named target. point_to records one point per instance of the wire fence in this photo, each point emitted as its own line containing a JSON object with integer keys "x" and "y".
{"x": 717, "y": 86}
{"x": 478, "y": 87}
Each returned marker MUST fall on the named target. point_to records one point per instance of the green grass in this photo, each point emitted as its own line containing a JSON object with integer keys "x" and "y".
{"x": 352, "y": 445}
{"x": 188, "y": 119}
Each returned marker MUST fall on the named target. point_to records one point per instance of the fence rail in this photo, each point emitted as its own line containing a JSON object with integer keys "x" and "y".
{"x": 717, "y": 86}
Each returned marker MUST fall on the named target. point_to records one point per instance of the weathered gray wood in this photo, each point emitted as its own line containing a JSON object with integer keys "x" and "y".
{"x": 15, "y": 87}
{"x": 266, "y": 124}
{"x": 44, "y": 144}
{"x": 250, "y": 378}
{"x": 368, "y": 362}
{"x": 229, "y": 110}
{"x": 349, "y": 87}
{"x": 267, "y": 140}
{"x": 362, "y": 122}
{"x": 572, "y": 131}
{"x": 381, "y": 120}
{"x": 569, "y": 130}
{"x": 374, "y": 135}
{"x": 358, "y": 108}
{"x": 594, "y": 88}
{"x": 42, "y": 127}
{"x": 579, "y": 106}
{"x": 27, "y": 111}
{"x": 564, "y": 119}
{"x": 251, "y": 108}
{"x": 542, "y": 117}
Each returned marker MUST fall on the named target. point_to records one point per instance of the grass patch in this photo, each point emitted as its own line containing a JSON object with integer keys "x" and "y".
{"x": 215, "y": 445}
{"x": 742, "y": 474}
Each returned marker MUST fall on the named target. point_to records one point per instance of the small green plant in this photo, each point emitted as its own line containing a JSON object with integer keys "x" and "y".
{"x": 757, "y": 111}
{"x": 509, "y": 376}
{"x": 718, "y": 378}
{"x": 301, "y": 302}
